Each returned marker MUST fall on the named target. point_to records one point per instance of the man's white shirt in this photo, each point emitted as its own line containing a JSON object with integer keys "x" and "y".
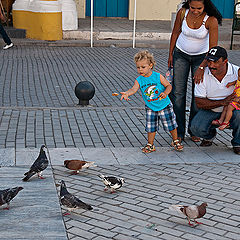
{"x": 212, "y": 89}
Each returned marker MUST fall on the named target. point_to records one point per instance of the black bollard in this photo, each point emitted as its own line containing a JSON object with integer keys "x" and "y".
{"x": 84, "y": 91}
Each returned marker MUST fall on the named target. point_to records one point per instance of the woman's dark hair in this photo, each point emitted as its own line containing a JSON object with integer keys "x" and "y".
{"x": 209, "y": 8}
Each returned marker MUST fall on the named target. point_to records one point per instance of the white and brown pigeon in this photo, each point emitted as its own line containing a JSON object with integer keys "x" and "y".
{"x": 70, "y": 201}
{"x": 191, "y": 212}
{"x": 77, "y": 165}
{"x": 38, "y": 166}
{"x": 113, "y": 183}
{"x": 8, "y": 194}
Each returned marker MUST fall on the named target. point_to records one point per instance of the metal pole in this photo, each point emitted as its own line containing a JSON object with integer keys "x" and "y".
{"x": 134, "y": 22}
{"x": 91, "y": 23}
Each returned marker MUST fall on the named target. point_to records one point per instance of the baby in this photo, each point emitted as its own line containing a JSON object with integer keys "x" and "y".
{"x": 226, "y": 115}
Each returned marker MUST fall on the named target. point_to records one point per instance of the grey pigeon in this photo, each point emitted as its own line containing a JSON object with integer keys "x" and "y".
{"x": 191, "y": 212}
{"x": 8, "y": 194}
{"x": 38, "y": 166}
{"x": 112, "y": 182}
{"x": 70, "y": 201}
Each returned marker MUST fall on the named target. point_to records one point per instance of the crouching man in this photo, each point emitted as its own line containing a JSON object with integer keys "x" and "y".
{"x": 212, "y": 94}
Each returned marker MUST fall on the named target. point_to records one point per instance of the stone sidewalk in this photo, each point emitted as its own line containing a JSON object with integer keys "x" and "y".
{"x": 38, "y": 104}
{"x": 139, "y": 210}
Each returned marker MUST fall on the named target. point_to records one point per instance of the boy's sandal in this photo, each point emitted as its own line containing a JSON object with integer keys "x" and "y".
{"x": 148, "y": 148}
{"x": 216, "y": 122}
{"x": 224, "y": 125}
{"x": 180, "y": 139}
{"x": 177, "y": 145}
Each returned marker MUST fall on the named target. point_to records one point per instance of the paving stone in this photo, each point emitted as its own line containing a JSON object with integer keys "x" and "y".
{"x": 108, "y": 225}
{"x": 99, "y": 155}
{"x": 137, "y": 215}
{"x": 147, "y": 230}
{"x": 135, "y": 156}
{"x": 124, "y": 237}
{"x": 192, "y": 156}
{"x": 43, "y": 209}
{"x": 224, "y": 220}
{"x": 80, "y": 232}
{"x": 58, "y": 155}
{"x": 213, "y": 236}
{"x": 7, "y": 157}
{"x": 74, "y": 223}
{"x": 125, "y": 231}
{"x": 213, "y": 229}
{"x": 27, "y": 156}
{"x": 191, "y": 236}
{"x": 132, "y": 207}
{"x": 145, "y": 236}
{"x": 101, "y": 238}
{"x": 166, "y": 236}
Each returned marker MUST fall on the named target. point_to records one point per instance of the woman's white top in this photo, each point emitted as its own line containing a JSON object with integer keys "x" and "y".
{"x": 193, "y": 41}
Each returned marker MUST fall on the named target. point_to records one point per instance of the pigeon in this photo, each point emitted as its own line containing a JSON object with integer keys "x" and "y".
{"x": 8, "y": 194}
{"x": 70, "y": 201}
{"x": 78, "y": 165}
{"x": 38, "y": 166}
{"x": 112, "y": 182}
{"x": 192, "y": 212}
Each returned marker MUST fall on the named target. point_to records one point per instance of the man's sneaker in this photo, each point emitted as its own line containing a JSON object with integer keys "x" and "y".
{"x": 8, "y": 46}
{"x": 206, "y": 143}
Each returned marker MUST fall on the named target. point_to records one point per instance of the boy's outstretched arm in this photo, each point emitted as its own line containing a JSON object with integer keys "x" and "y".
{"x": 130, "y": 92}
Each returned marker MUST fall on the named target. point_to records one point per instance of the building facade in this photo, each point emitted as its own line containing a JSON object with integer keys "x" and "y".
{"x": 146, "y": 10}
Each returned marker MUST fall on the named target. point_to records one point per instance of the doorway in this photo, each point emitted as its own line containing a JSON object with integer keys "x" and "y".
{"x": 108, "y": 8}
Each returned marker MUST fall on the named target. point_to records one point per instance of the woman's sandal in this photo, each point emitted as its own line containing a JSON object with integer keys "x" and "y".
{"x": 177, "y": 145}
{"x": 224, "y": 125}
{"x": 148, "y": 148}
{"x": 195, "y": 139}
{"x": 216, "y": 122}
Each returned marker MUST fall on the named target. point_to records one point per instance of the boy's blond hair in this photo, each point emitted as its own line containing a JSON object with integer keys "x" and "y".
{"x": 145, "y": 55}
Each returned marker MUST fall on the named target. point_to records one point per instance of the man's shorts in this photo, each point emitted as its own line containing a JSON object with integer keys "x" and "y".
{"x": 166, "y": 115}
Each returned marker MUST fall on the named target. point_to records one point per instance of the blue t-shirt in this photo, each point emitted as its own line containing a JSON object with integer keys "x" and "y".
{"x": 151, "y": 88}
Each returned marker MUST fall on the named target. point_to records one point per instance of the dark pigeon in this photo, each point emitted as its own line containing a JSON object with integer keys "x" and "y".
{"x": 8, "y": 194}
{"x": 191, "y": 212}
{"x": 70, "y": 201}
{"x": 112, "y": 182}
{"x": 38, "y": 166}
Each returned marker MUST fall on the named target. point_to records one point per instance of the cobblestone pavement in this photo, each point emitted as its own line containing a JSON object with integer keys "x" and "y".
{"x": 38, "y": 104}
{"x": 139, "y": 210}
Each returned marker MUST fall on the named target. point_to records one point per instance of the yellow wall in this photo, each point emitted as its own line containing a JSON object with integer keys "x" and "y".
{"x": 42, "y": 26}
{"x": 146, "y": 10}
{"x": 153, "y": 9}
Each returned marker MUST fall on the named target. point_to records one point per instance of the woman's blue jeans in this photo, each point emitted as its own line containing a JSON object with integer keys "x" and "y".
{"x": 182, "y": 63}
{"x": 202, "y": 125}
